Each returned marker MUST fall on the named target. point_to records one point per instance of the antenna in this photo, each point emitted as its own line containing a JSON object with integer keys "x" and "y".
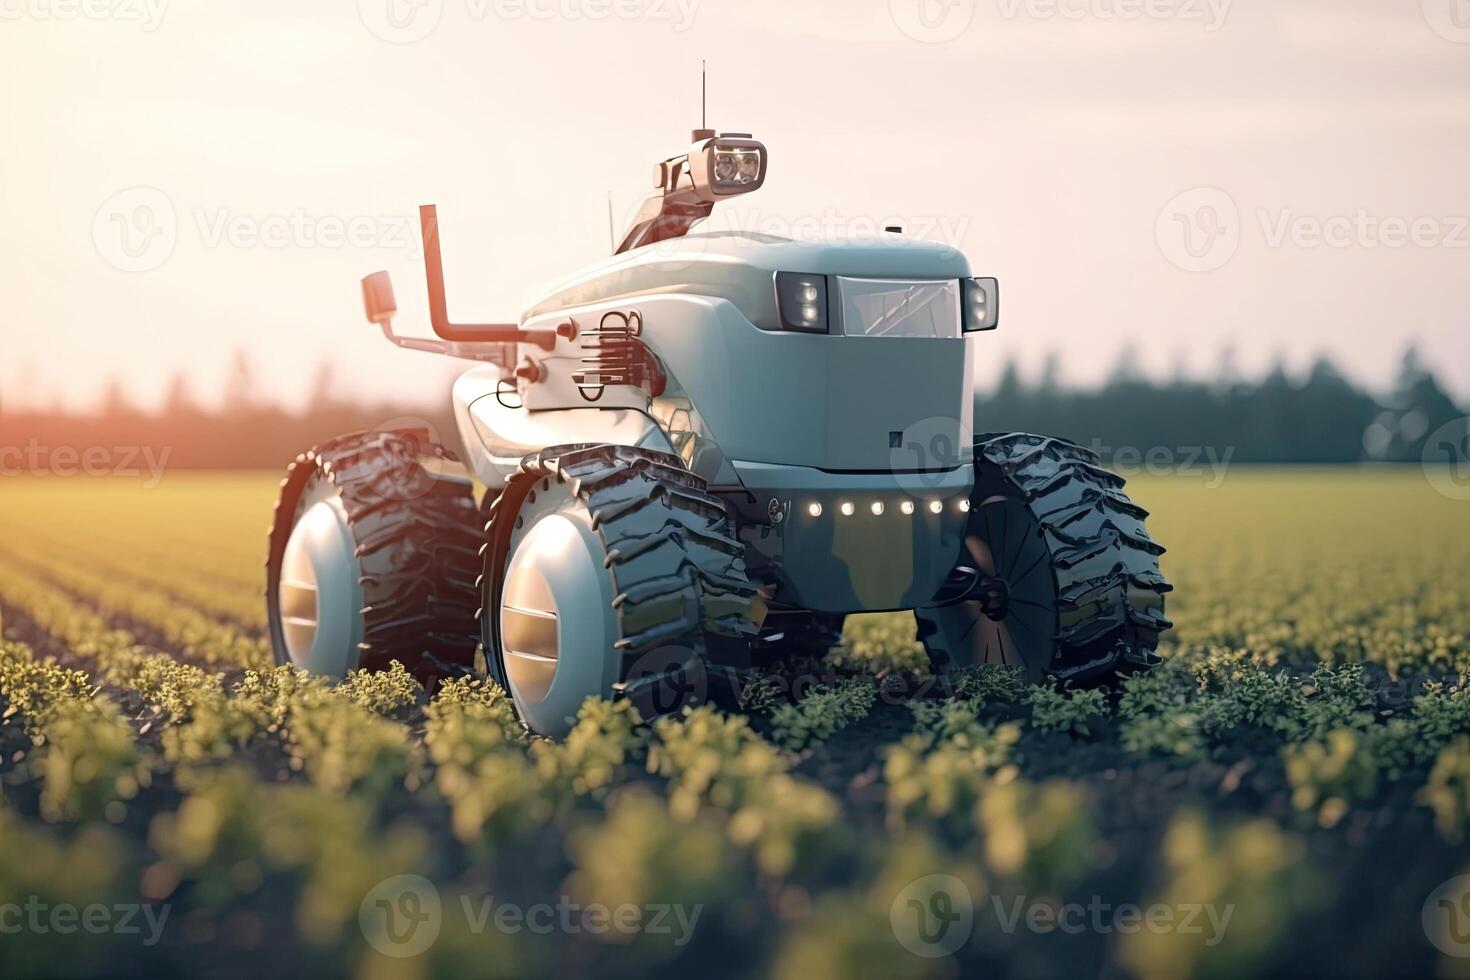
{"x": 703, "y": 132}
{"x": 612, "y": 235}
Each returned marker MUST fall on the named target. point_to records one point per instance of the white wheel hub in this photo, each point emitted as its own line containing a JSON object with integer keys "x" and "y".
{"x": 320, "y": 595}
{"x": 557, "y": 624}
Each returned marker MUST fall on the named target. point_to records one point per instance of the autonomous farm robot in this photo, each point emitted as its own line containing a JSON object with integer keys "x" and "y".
{"x": 699, "y": 456}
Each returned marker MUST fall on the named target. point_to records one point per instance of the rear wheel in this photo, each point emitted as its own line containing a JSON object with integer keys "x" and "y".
{"x": 373, "y": 557}
{"x": 608, "y": 571}
{"x": 1058, "y": 575}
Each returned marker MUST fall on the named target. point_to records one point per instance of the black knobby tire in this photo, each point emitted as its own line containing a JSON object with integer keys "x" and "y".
{"x": 416, "y": 530}
{"x": 1083, "y": 597}
{"x": 677, "y": 572}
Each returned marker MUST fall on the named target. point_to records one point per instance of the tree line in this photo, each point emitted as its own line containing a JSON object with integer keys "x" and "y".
{"x": 1320, "y": 417}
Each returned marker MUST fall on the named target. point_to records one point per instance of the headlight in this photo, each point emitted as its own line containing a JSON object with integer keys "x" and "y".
{"x": 802, "y": 301}
{"x": 727, "y": 165}
{"x": 982, "y": 304}
{"x": 736, "y": 168}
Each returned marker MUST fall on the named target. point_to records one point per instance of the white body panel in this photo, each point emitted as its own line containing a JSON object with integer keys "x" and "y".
{"x": 496, "y": 435}
{"x": 739, "y": 267}
{"x": 766, "y": 416}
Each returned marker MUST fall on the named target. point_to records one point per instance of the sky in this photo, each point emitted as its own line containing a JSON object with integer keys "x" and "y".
{"x": 184, "y": 179}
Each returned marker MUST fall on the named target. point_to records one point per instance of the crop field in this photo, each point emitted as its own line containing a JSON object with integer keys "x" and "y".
{"x": 1286, "y": 795}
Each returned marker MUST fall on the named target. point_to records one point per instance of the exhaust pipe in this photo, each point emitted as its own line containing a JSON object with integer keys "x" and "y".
{"x": 465, "y": 333}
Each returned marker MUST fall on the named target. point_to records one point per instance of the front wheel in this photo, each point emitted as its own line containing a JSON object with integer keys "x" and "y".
{"x": 1058, "y": 574}
{"x": 608, "y": 570}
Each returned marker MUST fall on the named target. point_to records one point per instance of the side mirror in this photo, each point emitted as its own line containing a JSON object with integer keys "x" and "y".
{"x": 982, "y": 304}
{"x": 378, "y": 301}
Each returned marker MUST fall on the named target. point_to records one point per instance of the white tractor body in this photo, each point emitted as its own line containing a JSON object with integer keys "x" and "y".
{"x": 795, "y": 428}
{"x": 700, "y": 455}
